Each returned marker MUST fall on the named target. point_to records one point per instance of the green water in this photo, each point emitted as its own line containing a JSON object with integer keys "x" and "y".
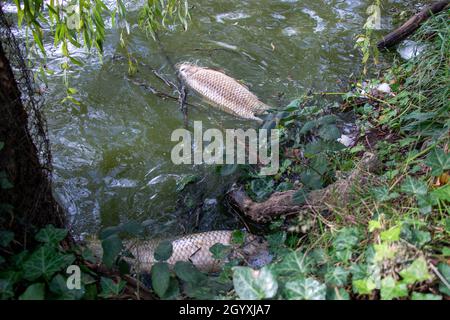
{"x": 112, "y": 156}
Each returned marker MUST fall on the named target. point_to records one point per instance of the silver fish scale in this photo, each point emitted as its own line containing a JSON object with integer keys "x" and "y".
{"x": 225, "y": 92}
{"x": 194, "y": 248}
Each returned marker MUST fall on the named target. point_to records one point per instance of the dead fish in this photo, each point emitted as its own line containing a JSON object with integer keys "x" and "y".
{"x": 194, "y": 248}
{"x": 222, "y": 91}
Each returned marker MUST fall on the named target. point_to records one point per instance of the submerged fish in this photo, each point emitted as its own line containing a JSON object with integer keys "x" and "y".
{"x": 194, "y": 248}
{"x": 222, "y": 91}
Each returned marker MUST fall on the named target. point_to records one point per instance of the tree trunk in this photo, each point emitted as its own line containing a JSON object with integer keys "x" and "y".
{"x": 26, "y": 202}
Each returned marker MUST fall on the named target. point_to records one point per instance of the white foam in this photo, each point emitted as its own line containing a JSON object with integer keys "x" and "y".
{"x": 320, "y": 26}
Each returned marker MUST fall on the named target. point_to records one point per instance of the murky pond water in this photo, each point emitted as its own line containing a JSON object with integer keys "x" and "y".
{"x": 112, "y": 157}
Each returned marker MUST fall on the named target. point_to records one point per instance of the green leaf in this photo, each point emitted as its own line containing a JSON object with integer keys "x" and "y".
{"x": 188, "y": 179}
{"x": 416, "y": 272}
{"x": 391, "y": 289}
{"x": 393, "y": 234}
{"x": 37, "y": 38}
{"x": 382, "y": 194}
{"x": 7, "y": 281}
{"x": 294, "y": 263}
{"x": 383, "y": 251}
{"x": 6, "y": 237}
{"x": 58, "y": 285}
{"x": 36, "y": 291}
{"x": 173, "y": 291}
{"x": 439, "y": 161}
{"x": 444, "y": 269}
{"x": 374, "y": 225}
{"x": 425, "y": 296}
{"x": 220, "y": 251}
{"x": 186, "y": 271}
{"x": 442, "y": 193}
{"x": 45, "y": 262}
{"x": 305, "y": 289}
{"x": 164, "y": 250}
{"x": 112, "y": 246}
{"x": 160, "y": 278}
{"x": 110, "y": 288}
{"x": 329, "y": 132}
{"x": 51, "y": 235}
{"x": 363, "y": 286}
{"x": 252, "y": 284}
{"x": 414, "y": 186}
{"x": 337, "y": 277}
{"x": 238, "y": 237}
{"x": 2, "y": 144}
{"x": 345, "y": 241}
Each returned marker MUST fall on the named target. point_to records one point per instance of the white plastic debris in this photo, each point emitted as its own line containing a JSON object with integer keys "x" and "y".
{"x": 409, "y": 49}
{"x": 384, "y": 87}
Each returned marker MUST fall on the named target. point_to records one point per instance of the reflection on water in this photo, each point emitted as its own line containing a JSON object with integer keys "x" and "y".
{"x": 112, "y": 156}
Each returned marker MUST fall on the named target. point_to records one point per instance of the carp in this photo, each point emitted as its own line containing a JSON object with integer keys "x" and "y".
{"x": 194, "y": 248}
{"x": 222, "y": 91}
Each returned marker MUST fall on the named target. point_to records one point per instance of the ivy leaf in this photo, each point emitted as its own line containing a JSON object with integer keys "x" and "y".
{"x": 186, "y": 271}
{"x": 45, "y": 262}
{"x": 383, "y": 251}
{"x": 6, "y": 237}
{"x": 345, "y": 241}
{"x": 337, "y": 277}
{"x": 391, "y": 289}
{"x": 364, "y": 286}
{"x": 442, "y": 193}
{"x": 439, "y": 161}
{"x": 294, "y": 263}
{"x": 164, "y": 250}
{"x": 112, "y": 246}
{"x": 51, "y": 235}
{"x": 305, "y": 289}
{"x": 414, "y": 186}
{"x": 7, "y": 281}
{"x": 173, "y": 290}
{"x": 444, "y": 269}
{"x": 329, "y": 132}
{"x": 110, "y": 288}
{"x": 58, "y": 285}
{"x": 254, "y": 284}
{"x": 219, "y": 251}
{"x": 36, "y": 291}
{"x": 160, "y": 278}
{"x": 416, "y": 272}
{"x": 425, "y": 296}
{"x": 382, "y": 194}
{"x": 393, "y": 234}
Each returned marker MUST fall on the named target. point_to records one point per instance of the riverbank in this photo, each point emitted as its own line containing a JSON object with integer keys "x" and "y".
{"x": 385, "y": 235}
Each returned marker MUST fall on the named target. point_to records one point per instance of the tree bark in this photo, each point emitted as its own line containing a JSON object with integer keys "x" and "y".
{"x": 338, "y": 194}
{"x": 28, "y": 204}
{"x": 411, "y": 25}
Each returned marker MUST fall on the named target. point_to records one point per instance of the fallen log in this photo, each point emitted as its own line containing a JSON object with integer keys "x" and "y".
{"x": 337, "y": 194}
{"x": 411, "y": 25}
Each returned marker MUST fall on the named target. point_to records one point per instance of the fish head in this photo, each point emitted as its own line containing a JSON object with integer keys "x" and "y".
{"x": 186, "y": 69}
